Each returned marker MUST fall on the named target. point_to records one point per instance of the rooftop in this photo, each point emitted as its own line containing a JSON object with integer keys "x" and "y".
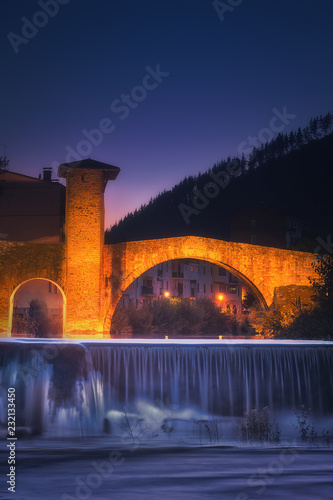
{"x": 89, "y": 164}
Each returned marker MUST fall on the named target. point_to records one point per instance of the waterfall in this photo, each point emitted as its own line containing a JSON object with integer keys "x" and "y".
{"x": 69, "y": 389}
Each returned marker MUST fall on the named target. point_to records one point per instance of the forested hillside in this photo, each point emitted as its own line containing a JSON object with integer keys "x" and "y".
{"x": 292, "y": 174}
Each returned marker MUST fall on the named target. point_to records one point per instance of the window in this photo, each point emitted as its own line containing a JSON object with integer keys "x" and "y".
{"x": 222, "y": 288}
{"x": 196, "y": 269}
{"x": 232, "y": 289}
{"x": 191, "y": 269}
{"x": 222, "y": 271}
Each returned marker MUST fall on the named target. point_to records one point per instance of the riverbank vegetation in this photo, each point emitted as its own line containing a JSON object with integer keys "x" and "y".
{"x": 175, "y": 316}
{"x": 302, "y": 323}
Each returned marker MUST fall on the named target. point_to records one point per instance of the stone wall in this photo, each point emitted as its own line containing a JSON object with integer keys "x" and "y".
{"x": 92, "y": 291}
{"x": 291, "y": 299}
{"x": 20, "y": 262}
{"x": 85, "y": 242}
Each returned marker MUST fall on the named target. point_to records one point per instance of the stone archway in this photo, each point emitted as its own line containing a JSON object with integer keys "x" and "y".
{"x": 47, "y": 298}
{"x": 262, "y": 269}
{"x": 144, "y": 269}
{"x": 192, "y": 280}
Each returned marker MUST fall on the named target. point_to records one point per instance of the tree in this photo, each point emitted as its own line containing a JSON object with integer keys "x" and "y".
{"x": 299, "y": 139}
{"x": 39, "y": 319}
{"x": 4, "y": 162}
{"x": 292, "y": 140}
{"x": 323, "y": 284}
{"x": 314, "y": 128}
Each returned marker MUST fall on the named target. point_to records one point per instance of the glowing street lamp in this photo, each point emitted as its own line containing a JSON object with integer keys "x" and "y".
{"x": 220, "y": 299}
{"x": 166, "y": 294}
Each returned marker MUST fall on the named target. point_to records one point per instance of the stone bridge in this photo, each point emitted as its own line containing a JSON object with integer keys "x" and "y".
{"x": 262, "y": 269}
{"x": 91, "y": 277}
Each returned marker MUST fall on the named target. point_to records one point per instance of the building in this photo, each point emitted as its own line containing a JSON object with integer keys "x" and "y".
{"x": 264, "y": 227}
{"x": 31, "y": 209}
{"x": 190, "y": 279}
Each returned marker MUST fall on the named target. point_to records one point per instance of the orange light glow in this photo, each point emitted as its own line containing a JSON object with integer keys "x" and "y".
{"x": 166, "y": 294}
{"x": 220, "y": 297}
{"x": 220, "y": 337}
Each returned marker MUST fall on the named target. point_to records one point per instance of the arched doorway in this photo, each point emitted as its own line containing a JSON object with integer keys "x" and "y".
{"x": 37, "y": 309}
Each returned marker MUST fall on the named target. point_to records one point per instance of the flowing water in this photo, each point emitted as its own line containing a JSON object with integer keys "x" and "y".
{"x": 88, "y": 388}
{"x": 75, "y": 401}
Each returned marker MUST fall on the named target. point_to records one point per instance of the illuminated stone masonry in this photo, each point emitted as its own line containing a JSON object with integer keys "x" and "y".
{"x": 92, "y": 276}
{"x": 262, "y": 269}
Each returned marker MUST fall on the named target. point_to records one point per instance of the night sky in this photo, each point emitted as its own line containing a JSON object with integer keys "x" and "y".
{"x": 174, "y": 85}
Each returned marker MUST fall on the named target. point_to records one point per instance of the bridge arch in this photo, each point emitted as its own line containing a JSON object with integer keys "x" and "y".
{"x": 17, "y": 289}
{"x": 262, "y": 269}
{"x": 144, "y": 269}
{"x": 258, "y": 295}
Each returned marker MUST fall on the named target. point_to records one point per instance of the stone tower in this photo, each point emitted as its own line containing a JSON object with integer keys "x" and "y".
{"x": 85, "y": 185}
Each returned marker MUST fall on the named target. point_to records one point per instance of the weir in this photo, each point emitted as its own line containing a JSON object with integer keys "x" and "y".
{"x": 87, "y": 388}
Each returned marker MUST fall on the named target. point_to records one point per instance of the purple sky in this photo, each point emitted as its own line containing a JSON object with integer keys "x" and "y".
{"x": 220, "y": 80}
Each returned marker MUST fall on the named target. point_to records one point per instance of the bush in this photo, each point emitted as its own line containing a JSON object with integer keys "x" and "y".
{"x": 257, "y": 426}
{"x": 309, "y": 324}
{"x": 172, "y": 316}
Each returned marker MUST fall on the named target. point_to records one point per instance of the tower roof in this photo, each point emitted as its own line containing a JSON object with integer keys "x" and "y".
{"x": 111, "y": 171}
